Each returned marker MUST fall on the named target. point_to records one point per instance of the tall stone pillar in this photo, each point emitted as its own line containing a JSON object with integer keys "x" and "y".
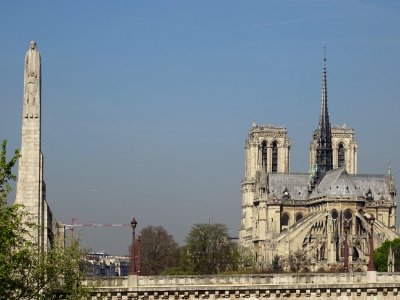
{"x": 330, "y": 245}
{"x": 355, "y": 167}
{"x": 269, "y": 158}
{"x": 30, "y": 187}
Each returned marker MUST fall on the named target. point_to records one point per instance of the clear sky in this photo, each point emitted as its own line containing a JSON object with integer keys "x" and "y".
{"x": 146, "y": 104}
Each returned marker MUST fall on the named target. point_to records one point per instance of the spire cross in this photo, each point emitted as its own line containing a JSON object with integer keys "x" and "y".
{"x": 325, "y": 48}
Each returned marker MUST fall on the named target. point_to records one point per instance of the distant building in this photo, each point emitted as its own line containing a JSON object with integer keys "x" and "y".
{"x": 283, "y": 212}
{"x": 102, "y": 264}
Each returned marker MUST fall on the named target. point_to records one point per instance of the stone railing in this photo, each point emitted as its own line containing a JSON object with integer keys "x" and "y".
{"x": 272, "y": 286}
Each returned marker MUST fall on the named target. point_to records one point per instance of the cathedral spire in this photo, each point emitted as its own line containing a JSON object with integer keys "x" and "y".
{"x": 324, "y": 137}
{"x": 324, "y": 116}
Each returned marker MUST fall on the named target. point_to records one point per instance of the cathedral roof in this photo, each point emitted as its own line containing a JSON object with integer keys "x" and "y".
{"x": 336, "y": 183}
{"x": 295, "y": 183}
{"x": 377, "y": 184}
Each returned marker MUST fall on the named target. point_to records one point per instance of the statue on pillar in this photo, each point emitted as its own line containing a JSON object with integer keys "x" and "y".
{"x": 32, "y": 75}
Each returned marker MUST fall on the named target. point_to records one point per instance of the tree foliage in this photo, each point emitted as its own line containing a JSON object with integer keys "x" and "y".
{"x": 209, "y": 250}
{"x": 26, "y": 272}
{"x": 159, "y": 250}
{"x": 277, "y": 263}
{"x": 381, "y": 255}
{"x": 298, "y": 261}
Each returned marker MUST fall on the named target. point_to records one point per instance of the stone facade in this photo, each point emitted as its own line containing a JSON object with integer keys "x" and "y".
{"x": 283, "y": 212}
{"x": 31, "y": 188}
{"x": 267, "y": 149}
{"x": 344, "y": 147}
{"x": 366, "y": 285}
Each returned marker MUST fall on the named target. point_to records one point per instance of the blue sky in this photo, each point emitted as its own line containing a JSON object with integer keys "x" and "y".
{"x": 146, "y": 104}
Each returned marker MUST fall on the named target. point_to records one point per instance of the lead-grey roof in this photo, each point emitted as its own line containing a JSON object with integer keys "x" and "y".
{"x": 335, "y": 183}
{"x": 296, "y": 184}
{"x": 339, "y": 183}
{"x": 379, "y": 185}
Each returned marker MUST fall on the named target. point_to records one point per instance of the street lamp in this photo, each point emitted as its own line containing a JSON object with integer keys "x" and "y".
{"x": 139, "y": 261}
{"x": 132, "y": 270}
{"x": 346, "y": 248}
{"x": 371, "y": 265}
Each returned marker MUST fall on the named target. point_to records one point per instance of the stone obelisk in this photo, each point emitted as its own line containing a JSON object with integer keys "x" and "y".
{"x": 30, "y": 185}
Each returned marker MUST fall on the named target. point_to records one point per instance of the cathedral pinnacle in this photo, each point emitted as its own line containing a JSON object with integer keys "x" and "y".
{"x": 324, "y": 137}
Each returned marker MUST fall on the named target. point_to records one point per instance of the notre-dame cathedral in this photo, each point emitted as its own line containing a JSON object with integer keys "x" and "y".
{"x": 283, "y": 212}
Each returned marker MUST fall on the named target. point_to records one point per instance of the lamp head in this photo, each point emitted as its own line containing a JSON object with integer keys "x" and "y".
{"x": 133, "y": 223}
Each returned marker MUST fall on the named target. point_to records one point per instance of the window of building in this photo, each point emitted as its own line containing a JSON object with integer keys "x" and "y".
{"x": 341, "y": 156}
{"x": 264, "y": 150}
{"x": 284, "y": 221}
{"x": 274, "y": 157}
{"x": 299, "y": 216}
{"x": 348, "y": 215}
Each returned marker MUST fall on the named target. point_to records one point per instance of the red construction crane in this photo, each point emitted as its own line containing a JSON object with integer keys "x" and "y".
{"x": 72, "y": 226}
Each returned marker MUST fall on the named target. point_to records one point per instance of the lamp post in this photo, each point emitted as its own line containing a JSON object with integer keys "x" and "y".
{"x": 139, "y": 262}
{"x": 371, "y": 265}
{"x": 132, "y": 270}
{"x": 346, "y": 248}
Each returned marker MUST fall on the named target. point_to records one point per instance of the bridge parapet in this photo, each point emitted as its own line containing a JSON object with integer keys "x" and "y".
{"x": 271, "y": 286}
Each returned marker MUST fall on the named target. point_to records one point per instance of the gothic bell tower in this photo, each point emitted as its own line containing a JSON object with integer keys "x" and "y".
{"x": 267, "y": 150}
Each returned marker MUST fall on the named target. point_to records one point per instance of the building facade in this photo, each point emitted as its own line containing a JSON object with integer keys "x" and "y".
{"x": 103, "y": 264}
{"x": 344, "y": 146}
{"x": 316, "y": 212}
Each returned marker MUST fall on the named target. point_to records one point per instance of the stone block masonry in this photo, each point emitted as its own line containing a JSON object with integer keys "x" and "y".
{"x": 363, "y": 285}
{"x": 31, "y": 189}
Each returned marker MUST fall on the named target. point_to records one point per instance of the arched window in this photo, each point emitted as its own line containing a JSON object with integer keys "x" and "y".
{"x": 264, "y": 150}
{"x": 299, "y": 216}
{"x": 284, "y": 221}
{"x": 274, "y": 157}
{"x": 341, "y": 156}
{"x": 355, "y": 254}
{"x": 348, "y": 215}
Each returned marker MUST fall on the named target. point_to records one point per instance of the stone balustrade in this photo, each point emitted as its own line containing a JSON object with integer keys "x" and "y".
{"x": 369, "y": 285}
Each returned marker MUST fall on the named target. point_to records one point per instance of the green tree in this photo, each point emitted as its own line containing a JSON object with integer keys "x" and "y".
{"x": 25, "y": 271}
{"x": 209, "y": 250}
{"x": 243, "y": 259}
{"x": 381, "y": 255}
{"x": 298, "y": 261}
{"x": 277, "y": 263}
{"x": 182, "y": 267}
{"x": 159, "y": 250}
